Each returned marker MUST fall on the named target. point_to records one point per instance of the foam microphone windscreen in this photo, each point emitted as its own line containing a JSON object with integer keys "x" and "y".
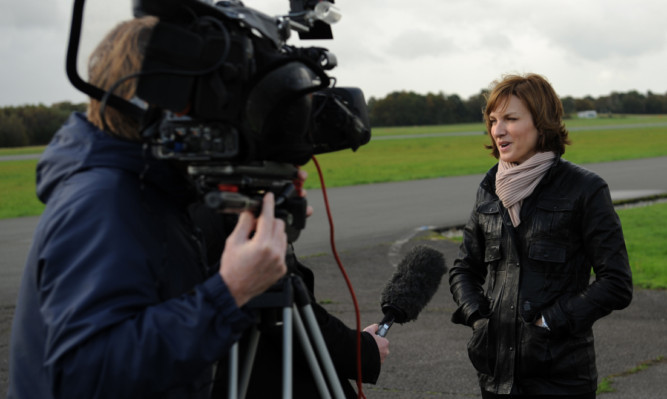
{"x": 414, "y": 283}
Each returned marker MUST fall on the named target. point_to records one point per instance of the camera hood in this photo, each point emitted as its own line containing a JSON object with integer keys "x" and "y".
{"x": 278, "y": 110}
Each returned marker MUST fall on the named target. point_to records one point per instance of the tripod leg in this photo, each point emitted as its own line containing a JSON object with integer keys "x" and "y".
{"x": 320, "y": 345}
{"x": 232, "y": 377}
{"x": 292, "y": 315}
{"x": 287, "y": 352}
{"x": 249, "y": 360}
{"x": 310, "y": 356}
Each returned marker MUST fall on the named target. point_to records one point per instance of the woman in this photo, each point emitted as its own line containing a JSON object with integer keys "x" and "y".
{"x": 538, "y": 227}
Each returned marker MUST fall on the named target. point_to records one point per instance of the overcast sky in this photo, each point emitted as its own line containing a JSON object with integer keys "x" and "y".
{"x": 590, "y": 47}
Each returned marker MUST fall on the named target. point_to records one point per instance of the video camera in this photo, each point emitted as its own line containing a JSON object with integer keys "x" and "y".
{"x": 221, "y": 91}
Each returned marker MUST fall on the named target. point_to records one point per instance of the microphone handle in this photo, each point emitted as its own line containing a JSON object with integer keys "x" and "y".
{"x": 385, "y": 324}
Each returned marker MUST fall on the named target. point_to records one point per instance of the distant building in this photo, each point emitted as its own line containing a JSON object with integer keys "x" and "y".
{"x": 590, "y": 114}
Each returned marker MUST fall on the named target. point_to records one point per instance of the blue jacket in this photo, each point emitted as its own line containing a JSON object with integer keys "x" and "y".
{"x": 115, "y": 300}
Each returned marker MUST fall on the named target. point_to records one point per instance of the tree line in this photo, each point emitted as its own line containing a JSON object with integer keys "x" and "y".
{"x": 407, "y": 108}
{"x": 35, "y": 124}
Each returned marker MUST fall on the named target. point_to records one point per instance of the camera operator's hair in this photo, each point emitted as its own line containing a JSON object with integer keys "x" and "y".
{"x": 118, "y": 55}
{"x": 543, "y": 103}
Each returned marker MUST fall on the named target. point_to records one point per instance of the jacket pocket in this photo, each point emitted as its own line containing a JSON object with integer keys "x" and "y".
{"x": 481, "y": 349}
{"x": 490, "y": 220}
{"x": 535, "y": 359}
{"x": 545, "y": 251}
{"x": 555, "y": 218}
{"x": 492, "y": 251}
{"x": 573, "y": 358}
{"x": 544, "y": 355}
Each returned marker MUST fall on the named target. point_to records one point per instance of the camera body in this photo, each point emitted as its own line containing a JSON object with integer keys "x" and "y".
{"x": 222, "y": 92}
{"x": 229, "y": 88}
{"x": 241, "y": 107}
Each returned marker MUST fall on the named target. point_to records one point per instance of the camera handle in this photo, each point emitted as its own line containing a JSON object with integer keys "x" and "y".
{"x": 298, "y": 314}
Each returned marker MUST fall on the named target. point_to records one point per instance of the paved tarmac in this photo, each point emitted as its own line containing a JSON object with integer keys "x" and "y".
{"x": 376, "y": 225}
{"x": 428, "y": 357}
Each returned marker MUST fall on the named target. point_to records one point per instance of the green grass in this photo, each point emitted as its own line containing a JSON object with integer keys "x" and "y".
{"x": 615, "y": 119}
{"x": 22, "y": 150}
{"x": 616, "y": 145}
{"x": 416, "y": 130}
{"x": 604, "y": 120}
{"x": 428, "y": 157}
{"x": 479, "y": 127}
{"x": 402, "y": 159}
{"x": 606, "y": 383}
{"x": 645, "y": 233}
{"x": 605, "y": 386}
{"x": 17, "y": 189}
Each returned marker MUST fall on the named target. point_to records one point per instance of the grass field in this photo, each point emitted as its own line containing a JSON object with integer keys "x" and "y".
{"x": 17, "y": 189}
{"x": 453, "y": 154}
{"x": 22, "y": 150}
{"x": 572, "y": 124}
{"x": 645, "y": 237}
{"x": 449, "y": 153}
{"x": 421, "y": 156}
{"x": 428, "y": 157}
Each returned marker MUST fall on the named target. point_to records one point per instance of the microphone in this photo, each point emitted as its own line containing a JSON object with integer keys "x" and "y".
{"x": 412, "y": 286}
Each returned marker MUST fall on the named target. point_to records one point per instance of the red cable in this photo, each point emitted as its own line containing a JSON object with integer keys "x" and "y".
{"x": 344, "y": 273}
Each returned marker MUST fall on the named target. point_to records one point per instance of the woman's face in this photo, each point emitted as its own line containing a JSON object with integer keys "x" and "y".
{"x": 512, "y": 131}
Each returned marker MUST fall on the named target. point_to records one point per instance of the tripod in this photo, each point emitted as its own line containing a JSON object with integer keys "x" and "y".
{"x": 291, "y": 296}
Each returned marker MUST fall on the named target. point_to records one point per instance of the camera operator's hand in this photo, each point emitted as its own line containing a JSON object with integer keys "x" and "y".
{"x": 382, "y": 342}
{"x": 248, "y": 265}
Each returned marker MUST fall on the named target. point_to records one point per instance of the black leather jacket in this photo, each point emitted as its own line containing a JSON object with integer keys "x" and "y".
{"x": 540, "y": 268}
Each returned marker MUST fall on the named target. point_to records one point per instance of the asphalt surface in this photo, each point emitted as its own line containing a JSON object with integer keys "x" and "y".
{"x": 375, "y": 226}
{"x": 428, "y": 357}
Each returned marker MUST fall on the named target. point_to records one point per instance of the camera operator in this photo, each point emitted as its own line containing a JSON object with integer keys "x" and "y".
{"x": 116, "y": 300}
{"x": 340, "y": 340}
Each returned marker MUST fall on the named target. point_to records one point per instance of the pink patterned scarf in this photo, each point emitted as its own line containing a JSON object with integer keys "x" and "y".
{"x": 516, "y": 182}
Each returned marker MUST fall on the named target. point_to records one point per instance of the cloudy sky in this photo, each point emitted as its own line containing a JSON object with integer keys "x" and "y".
{"x": 591, "y": 47}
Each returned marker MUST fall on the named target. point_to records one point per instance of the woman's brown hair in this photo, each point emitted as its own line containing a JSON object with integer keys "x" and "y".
{"x": 118, "y": 55}
{"x": 543, "y": 103}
